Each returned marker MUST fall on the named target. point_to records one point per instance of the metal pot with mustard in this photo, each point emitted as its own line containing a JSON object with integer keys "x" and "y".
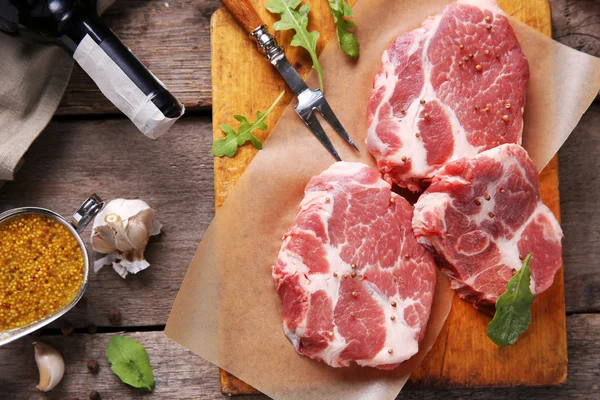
{"x": 44, "y": 266}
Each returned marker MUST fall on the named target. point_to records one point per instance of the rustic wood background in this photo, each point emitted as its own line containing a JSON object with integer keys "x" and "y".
{"x": 89, "y": 148}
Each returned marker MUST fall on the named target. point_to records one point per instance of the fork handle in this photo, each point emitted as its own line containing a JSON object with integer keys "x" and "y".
{"x": 248, "y": 18}
{"x": 245, "y": 14}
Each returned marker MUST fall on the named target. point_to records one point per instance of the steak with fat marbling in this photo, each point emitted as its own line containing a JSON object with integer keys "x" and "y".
{"x": 483, "y": 215}
{"x": 354, "y": 283}
{"x": 450, "y": 89}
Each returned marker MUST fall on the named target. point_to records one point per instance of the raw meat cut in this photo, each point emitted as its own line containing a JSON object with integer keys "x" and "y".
{"x": 483, "y": 215}
{"x": 354, "y": 283}
{"x": 450, "y": 89}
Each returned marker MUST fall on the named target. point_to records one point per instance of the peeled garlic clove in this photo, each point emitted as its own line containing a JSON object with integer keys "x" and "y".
{"x": 51, "y": 366}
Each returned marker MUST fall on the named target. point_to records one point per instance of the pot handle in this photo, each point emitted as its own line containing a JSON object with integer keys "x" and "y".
{"x": 86, "y": 212}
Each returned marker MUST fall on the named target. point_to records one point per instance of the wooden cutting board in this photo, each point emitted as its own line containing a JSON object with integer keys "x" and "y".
{"x": 463, "y": 356}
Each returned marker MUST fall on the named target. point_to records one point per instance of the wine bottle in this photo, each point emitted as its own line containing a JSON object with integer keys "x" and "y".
{"x": 76, "y": 27}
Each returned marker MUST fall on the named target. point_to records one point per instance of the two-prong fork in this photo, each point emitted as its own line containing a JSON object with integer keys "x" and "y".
{"x": 308, "y": 100}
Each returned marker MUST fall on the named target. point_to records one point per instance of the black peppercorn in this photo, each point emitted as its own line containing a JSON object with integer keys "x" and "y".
{"x": 94, "y": 395}
{"x": 66, "y": 328}
{"x": 92, "y": 329}
{"x": 114, "y": 317}
{"x": 92, "y": 366}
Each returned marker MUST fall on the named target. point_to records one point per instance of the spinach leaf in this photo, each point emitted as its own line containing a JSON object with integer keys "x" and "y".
{"x": 513, "y": 308}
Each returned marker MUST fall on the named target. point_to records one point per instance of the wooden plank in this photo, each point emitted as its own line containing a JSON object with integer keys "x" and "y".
{"x": 582, "y": 382}
{"x": 171, "y": 37}
{"x": 462, "y": 356}
{"x": 73, "y": 159}
{"x": 178, "y": 52}
{"x": 577, "y": 24}
{"x": 180, "y": 374}
{"x": 55, "y": 159}
{"x": 174, "y": 42}
{"x": 579, "y": 204}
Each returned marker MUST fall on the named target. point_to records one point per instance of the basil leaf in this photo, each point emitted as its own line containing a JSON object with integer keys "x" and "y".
{"x": 298, "y": 21}
{"x": 129, "y": 361}
{"x": 513, "y": 308}
{"x": 228, "y": 146}
{"x": 347, "y": 40}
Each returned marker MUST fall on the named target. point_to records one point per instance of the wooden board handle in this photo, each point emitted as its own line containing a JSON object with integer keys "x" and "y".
{"x": 244, "y": 13}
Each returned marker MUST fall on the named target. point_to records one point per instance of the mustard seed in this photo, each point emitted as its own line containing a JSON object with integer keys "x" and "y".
{"x": 41, "y": 269}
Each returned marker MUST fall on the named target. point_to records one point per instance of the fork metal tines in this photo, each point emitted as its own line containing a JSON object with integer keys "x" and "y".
{"x": 308, "y": 100}
{"x": 306, "y": 110}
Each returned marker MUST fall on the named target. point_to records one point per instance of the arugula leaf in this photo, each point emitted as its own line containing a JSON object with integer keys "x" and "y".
{"x": 129, "y": 361}
{"x": 513, "y": 308}
{"x": 229, "y": 145}
{"x": 298, "y": 21}
{"x": 347, "y": 41}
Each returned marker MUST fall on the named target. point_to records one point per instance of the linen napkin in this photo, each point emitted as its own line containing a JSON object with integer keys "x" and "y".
{"x": 32, "y": 83}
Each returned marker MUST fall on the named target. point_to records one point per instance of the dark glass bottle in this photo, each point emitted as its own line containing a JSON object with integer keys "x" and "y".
{"x": 70, "y": 22}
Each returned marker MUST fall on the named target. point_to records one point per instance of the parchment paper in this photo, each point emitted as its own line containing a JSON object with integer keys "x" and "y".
{"x": 227, "y": 310}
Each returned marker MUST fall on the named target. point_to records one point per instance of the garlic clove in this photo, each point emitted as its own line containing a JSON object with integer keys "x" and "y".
{"x": 102, "y": 240}
{"x": 138, "y": 228}
{"x": 51, "y": 366}
{"x": 122, "y": 242}
{"x": 115, "y": 222}
{"x": 122, "y": 230}
{"x": 122, "y": 207}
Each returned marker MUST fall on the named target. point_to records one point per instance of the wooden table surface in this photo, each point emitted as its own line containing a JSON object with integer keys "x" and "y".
{"x": 89, "y": 147}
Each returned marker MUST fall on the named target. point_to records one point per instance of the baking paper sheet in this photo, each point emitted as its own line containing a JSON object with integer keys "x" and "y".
{"x": 227, "y": 310}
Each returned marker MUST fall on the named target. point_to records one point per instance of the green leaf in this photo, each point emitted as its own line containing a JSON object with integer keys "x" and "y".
{"x": 347, "y": 40}
{"x": 298, "y": 21}
{"x": 129, "y": 361}
{"x": 229, "y": 144}
{"x": 513, "y": 308}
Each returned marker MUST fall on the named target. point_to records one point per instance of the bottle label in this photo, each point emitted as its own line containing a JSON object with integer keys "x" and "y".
{"x": 121, "y": 90}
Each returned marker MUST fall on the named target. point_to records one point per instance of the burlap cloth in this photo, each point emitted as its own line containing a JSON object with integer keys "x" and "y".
{"x": 33, "y": 78}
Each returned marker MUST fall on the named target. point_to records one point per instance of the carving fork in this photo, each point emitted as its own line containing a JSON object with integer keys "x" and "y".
{"x": 308, "y": 100}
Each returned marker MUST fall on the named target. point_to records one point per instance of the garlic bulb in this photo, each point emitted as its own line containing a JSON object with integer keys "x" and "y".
{"x": 121, "y": 230}
{"x": 50, "y": 365}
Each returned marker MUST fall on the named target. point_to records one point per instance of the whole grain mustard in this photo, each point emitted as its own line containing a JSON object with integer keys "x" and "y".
{"x": 41, "y": 269}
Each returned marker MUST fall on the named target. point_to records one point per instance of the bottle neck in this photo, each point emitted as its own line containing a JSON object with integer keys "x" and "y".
{"x": 82, "y": 20}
